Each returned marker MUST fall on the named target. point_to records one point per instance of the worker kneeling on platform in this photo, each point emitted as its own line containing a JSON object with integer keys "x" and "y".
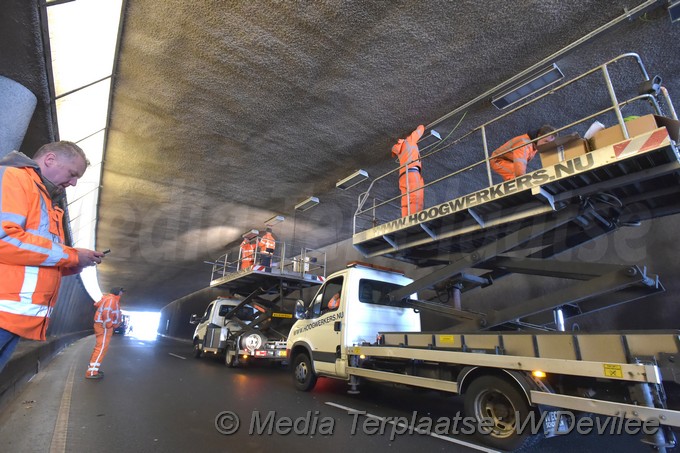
{"x": 106, "y": 318}
{"x": 511, "y": 158}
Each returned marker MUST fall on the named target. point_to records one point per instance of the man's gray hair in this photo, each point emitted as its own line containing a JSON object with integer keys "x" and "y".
{"x": 62, "y": 148}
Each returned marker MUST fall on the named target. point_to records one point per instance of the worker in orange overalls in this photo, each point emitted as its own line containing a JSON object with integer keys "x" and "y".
{"x": 106, "y": 318}
{"x": 267, "y": 247}
{"x": 511, "y": 163}
{"x": 410, "y": 178}
{"x": 247, "y": 254}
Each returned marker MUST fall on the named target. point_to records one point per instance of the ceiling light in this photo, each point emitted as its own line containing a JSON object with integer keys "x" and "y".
{"x": 352, "y": 180}
{"x": 523, "y": 89}
{"x": 274, "y": 220}
{"x": 250, "y": 234}
{"x": 674, "y": 11}
{"x": 306, "y": 204}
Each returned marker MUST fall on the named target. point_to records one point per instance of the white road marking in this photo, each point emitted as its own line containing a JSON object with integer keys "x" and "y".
{"x": 435, "y": 435}
{"x": 58, "y": 444}
{"x": 178, "y": 356}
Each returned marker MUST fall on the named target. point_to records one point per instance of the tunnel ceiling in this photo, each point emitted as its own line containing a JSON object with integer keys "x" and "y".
{"x": 224, "y": 114}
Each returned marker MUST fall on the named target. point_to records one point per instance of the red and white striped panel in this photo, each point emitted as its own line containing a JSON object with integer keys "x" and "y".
{"x": 642, "y": 143}
{"x": 259, "y": 267}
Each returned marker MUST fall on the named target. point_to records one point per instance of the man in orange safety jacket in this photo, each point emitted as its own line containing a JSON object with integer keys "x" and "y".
{"x": 106, "y": 318}
{"x": 511, "y": 158}
{"x": 33, "y": 256}
{"x": 247, "y": 254}
{"x": 267, "y": 247}
{"x": 410, "y": 167}
{"x": 334, "y": 302}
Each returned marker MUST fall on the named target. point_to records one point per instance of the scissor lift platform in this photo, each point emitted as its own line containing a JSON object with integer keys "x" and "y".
{"x": 566, "y": 204}
{"x": 246, "y": 281}
{"x": 515, "y": 226}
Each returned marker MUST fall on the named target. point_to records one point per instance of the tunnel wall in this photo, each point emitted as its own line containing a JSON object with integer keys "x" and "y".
{"x": 74, "y": 310}
{"x": 174, "y": 320}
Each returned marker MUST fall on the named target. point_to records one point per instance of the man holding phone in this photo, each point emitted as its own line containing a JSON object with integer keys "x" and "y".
{"x": 33, "y": 255}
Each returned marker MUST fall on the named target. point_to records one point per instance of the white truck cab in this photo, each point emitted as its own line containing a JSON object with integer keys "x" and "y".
{"x": 211, "y": 333}
{"x": 318, "y": 341}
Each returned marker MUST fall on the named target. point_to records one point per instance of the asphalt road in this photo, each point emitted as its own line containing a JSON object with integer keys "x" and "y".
{"x": 157, "y": 397}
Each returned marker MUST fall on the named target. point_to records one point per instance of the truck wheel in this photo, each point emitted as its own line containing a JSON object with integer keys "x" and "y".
{"x": 491, "y": 397}
{"x": 198, "y": 353}
{"x": 303, "y": 373}
{"x": 231, "y": 358}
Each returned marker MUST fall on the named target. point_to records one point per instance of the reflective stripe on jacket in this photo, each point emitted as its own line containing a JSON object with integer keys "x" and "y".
{"x": 32, "y": 255}
{"x": 247, "y": 250}
{"x": 407, "y": 151}
{"x": 108, "y": 310}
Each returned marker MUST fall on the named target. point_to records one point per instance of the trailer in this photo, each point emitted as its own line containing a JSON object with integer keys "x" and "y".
{"x": 518, "y": 362}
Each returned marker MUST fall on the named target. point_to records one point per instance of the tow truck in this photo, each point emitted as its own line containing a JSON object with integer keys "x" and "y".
{"x": 253, "y": 323}
{"x": 517, "y": 361}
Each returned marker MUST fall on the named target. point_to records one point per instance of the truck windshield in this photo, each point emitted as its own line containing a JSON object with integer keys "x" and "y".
{"x": 224, "y": 309}
{"x": 374, "y": 291}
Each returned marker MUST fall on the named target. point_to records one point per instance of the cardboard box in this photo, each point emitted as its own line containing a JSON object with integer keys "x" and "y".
{"x": 638, "y": 126}
{"x": 561, "y": 149}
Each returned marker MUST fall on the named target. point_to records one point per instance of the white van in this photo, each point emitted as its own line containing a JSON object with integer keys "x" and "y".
{"x": 318, "y": 341}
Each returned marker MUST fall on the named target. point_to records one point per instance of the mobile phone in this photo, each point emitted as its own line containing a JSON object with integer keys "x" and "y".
{"x": 107, "y": 251}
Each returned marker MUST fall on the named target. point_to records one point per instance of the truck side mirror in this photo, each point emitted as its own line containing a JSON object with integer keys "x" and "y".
{"x": 300, "y": 311}
{"x": 194, "y": 319}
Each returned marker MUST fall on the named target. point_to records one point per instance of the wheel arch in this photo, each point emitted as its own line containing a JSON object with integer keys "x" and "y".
{"x": 297, "y": 348}
{"x": 519, "y": 378}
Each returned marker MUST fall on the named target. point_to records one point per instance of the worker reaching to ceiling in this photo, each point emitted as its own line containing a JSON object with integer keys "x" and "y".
{"x": 106, "y": 318}
{"x": 410, "y": 172}
{"x": 511, "y": 158}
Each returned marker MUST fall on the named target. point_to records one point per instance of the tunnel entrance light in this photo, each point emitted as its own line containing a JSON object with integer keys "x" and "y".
{"x": 307, "y": 204}
{"x": 352, "y": 180}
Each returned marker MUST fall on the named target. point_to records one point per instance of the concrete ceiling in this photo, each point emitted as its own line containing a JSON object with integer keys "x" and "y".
{"x": 227, "y": 113}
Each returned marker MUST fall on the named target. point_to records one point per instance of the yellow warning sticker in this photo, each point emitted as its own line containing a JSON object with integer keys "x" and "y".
{"x": 614, "y": 371}
{"x": 447, "y": 339}
{"x": 282, "y": 315}
{"x": 355, "y": 350}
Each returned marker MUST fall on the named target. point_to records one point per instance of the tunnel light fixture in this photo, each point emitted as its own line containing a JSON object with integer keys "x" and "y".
{"x": 352, "y": 180}
{"x": 250, "y": 234}
{"x": 674, "y": 11}
{"x": 307, "y": 204}
{"x": 274, "y": 220}
{"x": 543, "y": 79}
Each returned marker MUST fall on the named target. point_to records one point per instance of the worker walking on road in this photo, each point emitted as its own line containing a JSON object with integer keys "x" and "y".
{"x": 511, "y": 158}
{"x": 106, "y": 318}
{"x": 33, "y": 253}
{"x": 247, "y": 254}
{"x": 410, "y": 177}
{"x": 267, "y": 247}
